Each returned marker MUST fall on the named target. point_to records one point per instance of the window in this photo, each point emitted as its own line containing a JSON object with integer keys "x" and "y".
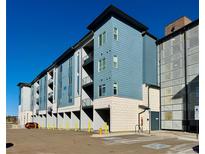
{"x": 115, "y": 33}
{"x": 102, "y": 39}
{"x": 102, "y": 90}
{"x": 101, "y": 65}
{"x": 115, "y": 61}
{"x": 115, "y": 88}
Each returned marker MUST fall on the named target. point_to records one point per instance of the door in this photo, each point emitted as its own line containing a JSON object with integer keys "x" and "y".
{"x": 154, "y": 120}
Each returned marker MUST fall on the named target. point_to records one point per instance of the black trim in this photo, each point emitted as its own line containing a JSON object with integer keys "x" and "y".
{"x": 62, "y": 58}
{"x": 179, "y": 31}
{"x": 112, "y": 11}
{"x": 150, "y": 35}
{"x": 185, "y": 80}
{"x": 23, "y": 84}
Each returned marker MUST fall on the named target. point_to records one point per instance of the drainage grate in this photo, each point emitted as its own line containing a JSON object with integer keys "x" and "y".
{"x": 156, "y": 146}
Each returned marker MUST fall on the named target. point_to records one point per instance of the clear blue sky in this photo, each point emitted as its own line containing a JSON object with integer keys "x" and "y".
{"x": 38, "y": 31}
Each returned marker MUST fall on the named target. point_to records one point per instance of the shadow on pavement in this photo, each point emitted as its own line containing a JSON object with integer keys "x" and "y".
{"x": 196, "y": 148}
{"x": 8, "y": 145}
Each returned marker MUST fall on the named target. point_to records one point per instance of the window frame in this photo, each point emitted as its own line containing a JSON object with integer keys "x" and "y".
{"x": 113, "y": 61}
{"x": 115, "y": 85}
{"x": 102, "y": 90}
{"x": 115, "y": 33}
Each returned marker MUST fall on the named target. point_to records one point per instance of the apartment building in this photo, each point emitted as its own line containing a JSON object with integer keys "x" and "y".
{"x": 108, "y": 78}
{"x": 179, "y": 75}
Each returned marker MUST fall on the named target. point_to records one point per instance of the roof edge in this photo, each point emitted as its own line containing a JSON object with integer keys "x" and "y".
{"x": 181, "y": 30}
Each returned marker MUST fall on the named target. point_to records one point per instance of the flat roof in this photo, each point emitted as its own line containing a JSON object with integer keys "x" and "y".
{"x": 23, "y": 84}
{"x": 179, "y": 31}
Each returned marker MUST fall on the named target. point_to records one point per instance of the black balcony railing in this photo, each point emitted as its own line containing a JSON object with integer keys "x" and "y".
{"x": 88, "y": 58}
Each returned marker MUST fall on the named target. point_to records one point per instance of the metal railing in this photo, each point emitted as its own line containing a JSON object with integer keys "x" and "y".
{"x": 86, "y": 80}
{"x": 87, "y": 102}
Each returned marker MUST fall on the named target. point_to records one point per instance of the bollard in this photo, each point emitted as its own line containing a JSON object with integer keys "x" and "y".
{"x": 48, "y": 126}
{"x": 100, "y": 131}
{"x": 39, "y": 126}
{"x": 89, "y": 127}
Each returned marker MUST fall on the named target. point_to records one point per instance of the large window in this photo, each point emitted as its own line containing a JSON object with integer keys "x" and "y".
{"x": 102, "y": 90}
{"x": 102, "y": 39}
{"x": 101, "y": 64}
{"x": 115, "y": 61}
{"x": 115, "y": 33}
{"x": 115, "y": 88}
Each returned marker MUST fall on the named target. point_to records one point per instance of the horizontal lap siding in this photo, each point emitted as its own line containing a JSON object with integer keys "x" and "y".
{"x": 128, "y": 48}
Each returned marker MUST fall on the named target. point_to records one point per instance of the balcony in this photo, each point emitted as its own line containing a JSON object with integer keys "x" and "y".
{"x": 37, "y": 89}
{"x": 50, "y": 81}
{"x": 87, "y": 59}
{"x": 37, "y": 101}
{"x": 87, "y": 102}
{"x": 50, "y": 96}
{"x": 87, "y": 80}
{"x": 50, "y": 109}
{"x": 37, "y": 112}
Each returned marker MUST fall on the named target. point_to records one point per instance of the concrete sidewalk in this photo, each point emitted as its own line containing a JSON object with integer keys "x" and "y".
{"x": 176, "y": 134}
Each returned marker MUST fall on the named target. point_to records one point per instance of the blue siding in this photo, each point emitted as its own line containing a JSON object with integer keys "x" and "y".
{"x": 129, "y": 49}
{"x": 103, "y": 77}
{"x": 66, "y": 87}
{"x": 149, "y": 61}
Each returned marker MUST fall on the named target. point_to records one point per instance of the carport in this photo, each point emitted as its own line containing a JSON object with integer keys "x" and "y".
{"x": 67, "y": 119}
{"x": 60, "y": 120}
{"x": 87, "y": 117}
{"x": 101, "y": 117}
{"x": 75, "y": 119}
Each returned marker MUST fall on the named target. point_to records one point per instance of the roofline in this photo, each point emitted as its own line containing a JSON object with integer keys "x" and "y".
{"x": 69, "y": 52}
{"x": 181, "y": 30}
{"x": 112, "y": 11}
{"x": 172, "y": 21}
{"x": 150, "y": 35}
{"x": 152, "y": 86}
{"x": 23, "y": 84}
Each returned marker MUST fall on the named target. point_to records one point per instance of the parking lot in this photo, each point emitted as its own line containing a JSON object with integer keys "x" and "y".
{"x": 39, "y": 141}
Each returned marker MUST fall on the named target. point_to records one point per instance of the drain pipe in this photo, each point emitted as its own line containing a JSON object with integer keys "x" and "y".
{"x": 139, "y": 117}
{"x": 149, "y": 110}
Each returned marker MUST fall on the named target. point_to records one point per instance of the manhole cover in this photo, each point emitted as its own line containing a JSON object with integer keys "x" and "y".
{"x": 156, "y": 146}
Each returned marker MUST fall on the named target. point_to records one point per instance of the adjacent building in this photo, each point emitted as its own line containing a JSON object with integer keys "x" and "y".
{"x": 179, "y": 75}
{"x": 108, "y": 78}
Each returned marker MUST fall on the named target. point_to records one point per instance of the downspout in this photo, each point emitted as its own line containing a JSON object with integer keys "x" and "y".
{"x": 185, "y": 80}
{"x": 149, "y": 111}
{"x": 139, "y": 117}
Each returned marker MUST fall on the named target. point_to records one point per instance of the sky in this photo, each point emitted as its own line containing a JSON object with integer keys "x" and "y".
{"x": 38, "y": 31}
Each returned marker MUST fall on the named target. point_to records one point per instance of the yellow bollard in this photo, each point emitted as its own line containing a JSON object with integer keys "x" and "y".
{"x": 67, "y": 125}
{"x": 48, "y": 126}
{"x": 100, "y": 131}
{"x": 89, "y": 127}
{"x": 39, "y": 126}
